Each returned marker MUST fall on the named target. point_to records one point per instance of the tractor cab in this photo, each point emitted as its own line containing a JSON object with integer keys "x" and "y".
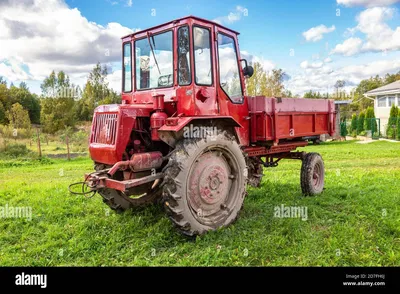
{"x": 194, "y": 63}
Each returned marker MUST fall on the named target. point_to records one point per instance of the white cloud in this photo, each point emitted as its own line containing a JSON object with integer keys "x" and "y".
{"x": 316, "y": 33}
{"x": 379, "y": 37}
{"x": 233, "y": 16}
{"x": 267, "y": 65}
{"x": 129, "y": 3}
{"x": 114, "y": 80}
{"x": 322, "y": 79}
{"x": 349, "y": 47}
{"x": 305, "y": 64}
{"x": 328, "y": 60}
{"x": 48, "y": 35}
{"x": 13, "y": 71}
{"x": 366, "y": 3}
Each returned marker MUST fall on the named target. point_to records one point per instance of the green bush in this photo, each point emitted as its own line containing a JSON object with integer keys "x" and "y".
{"x": 370, "y": 122}
{"x": 353, "y": 126}
{"x": 343, "y": 129}
{"x": 391, "y": 126}
{"x": 398, "y": 128}
{"x": 360, "y": 122}
{"x": 11, "y": 133}
{"x": 80, "y": 138}
{"x": 16, "y": 150}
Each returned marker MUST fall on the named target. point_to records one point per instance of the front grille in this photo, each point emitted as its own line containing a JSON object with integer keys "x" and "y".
{"x": 105, "y": 128}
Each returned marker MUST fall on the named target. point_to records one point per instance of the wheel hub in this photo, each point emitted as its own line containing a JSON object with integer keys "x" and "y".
{"x": 209, "y": 183}
{"x": 316, "y": 175}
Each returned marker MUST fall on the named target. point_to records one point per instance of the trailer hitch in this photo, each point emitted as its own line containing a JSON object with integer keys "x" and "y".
{"x": 86, "y": 184}
{"x": 101, "y": 179}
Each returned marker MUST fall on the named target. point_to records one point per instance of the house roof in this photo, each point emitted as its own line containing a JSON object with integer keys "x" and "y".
{"x": 387, "y": 89}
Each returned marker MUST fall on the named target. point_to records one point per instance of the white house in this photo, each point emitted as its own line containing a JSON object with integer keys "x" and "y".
{"x": 384, "y": 97}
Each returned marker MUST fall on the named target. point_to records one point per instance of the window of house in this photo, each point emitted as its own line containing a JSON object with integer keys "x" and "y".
{"x": 382, "y": 101}
{"x": 391, "y": 100}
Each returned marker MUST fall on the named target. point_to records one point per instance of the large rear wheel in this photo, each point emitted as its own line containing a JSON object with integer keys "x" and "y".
{"x": 205, "y": 183}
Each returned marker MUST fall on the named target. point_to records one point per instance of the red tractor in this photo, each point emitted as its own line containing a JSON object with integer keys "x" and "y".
{"x": 187, "y": 135}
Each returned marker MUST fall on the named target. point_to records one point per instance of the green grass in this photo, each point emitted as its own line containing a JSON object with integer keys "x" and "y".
{"x": 355, "y": 222}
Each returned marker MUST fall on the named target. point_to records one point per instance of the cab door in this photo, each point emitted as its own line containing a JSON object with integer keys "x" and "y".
{"x": 205, "y": 96}
{"x": 230, "y": 81}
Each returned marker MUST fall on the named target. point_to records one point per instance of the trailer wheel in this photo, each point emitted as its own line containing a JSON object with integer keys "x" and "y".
{"x": 205, "y": 184}
{"x": 312, "y": 174}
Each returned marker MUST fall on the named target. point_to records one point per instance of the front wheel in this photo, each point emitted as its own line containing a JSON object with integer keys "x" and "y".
{"x": 205, "y": 183}
{"x": 312, "y": 174}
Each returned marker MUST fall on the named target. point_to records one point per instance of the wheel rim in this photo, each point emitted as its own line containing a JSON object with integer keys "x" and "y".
{"x": 212, "y": 186}
{"x": 317, "y": 176}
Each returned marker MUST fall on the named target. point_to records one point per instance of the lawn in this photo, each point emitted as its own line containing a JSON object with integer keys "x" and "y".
{"x": 354, "y": 222}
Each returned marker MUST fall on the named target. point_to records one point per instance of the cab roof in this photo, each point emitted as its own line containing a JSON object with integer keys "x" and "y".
{"x": 178, "y": 20}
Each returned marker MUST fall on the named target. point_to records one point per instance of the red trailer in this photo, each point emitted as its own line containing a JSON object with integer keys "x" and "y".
{"x": 186, "y": 133}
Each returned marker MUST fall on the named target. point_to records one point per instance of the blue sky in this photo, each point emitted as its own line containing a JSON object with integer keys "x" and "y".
{"x": 346, "y": 39}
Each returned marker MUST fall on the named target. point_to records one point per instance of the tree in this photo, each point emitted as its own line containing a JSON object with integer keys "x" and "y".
{"x": 339, "y": 85}
{"x": 365, "y": 86}
{"x": 263, "y": 84}
{"x": 18, "y": 117}
{"x": 360, "y": 122}
{"x": 275, "y": 81}
{"x": 56, "y": 114}
{"x": 390, "y": 78}
{"x": 398, "y": 129}
{"x": 392, "y": 123}
{"x": 49, "y": 85}
{"x": 57, "y": 105}
{"x": 370, "y": 123}
{"x": 343, "y": 129}
{"x": 95, "y": 92}
{"x": 311, "y": 94}
{"x": 23, "y": 86}
{"x": 3, "y": 81}
{"x": 353, "y": 126}
{"x": 2, "y": 113}
{"x": 29, "y": 101}
{"x": 288, "y": 94}
{"x": 257, "y": 84}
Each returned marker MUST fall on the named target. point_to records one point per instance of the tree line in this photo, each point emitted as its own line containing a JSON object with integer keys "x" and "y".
{"x": 60, "y": 106}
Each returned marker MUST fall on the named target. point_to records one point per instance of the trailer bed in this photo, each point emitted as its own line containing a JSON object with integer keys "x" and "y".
{"x": 274, "y": 119}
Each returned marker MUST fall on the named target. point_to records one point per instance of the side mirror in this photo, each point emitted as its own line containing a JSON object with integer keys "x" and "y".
{"x": 248, "y": 70}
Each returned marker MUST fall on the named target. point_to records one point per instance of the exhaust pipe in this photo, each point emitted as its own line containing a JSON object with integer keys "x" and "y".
{"x": 139, "y": 162}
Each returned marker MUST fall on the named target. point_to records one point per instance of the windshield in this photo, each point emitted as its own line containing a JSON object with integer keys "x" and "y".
{"x": 154, "y": 61}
